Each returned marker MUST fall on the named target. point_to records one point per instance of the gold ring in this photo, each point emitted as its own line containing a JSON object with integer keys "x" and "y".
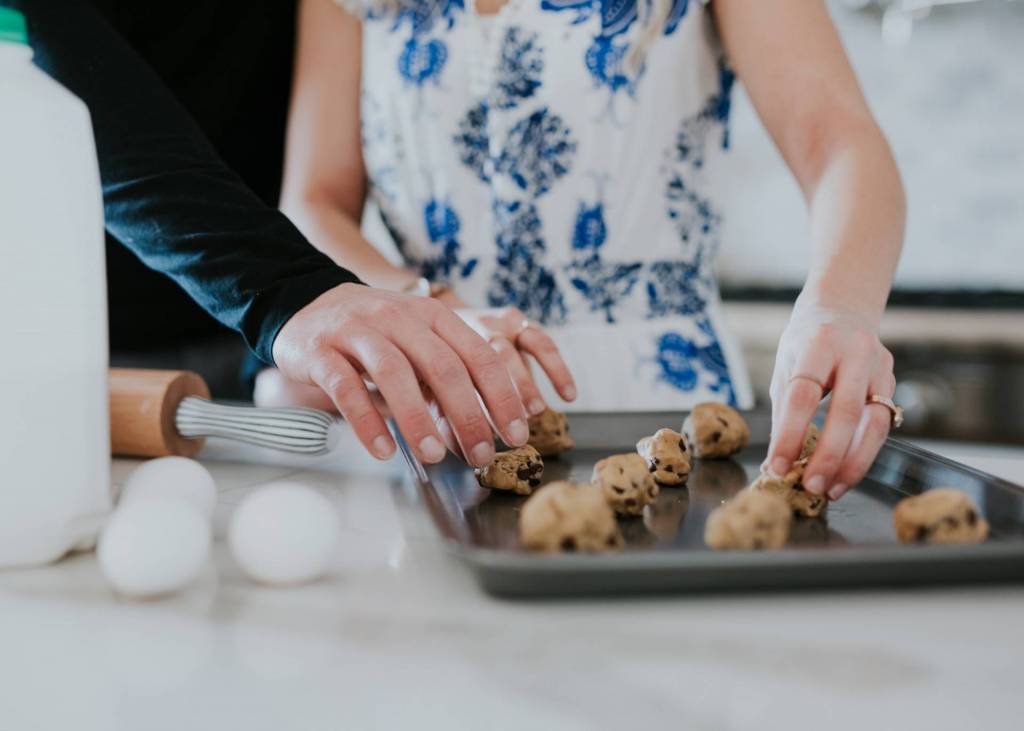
{"x": 812, "y": 379}
{"x": 895, "y": 412}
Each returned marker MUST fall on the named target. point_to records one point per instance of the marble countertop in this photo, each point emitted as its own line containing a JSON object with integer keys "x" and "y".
{"x": 400, "y": 637}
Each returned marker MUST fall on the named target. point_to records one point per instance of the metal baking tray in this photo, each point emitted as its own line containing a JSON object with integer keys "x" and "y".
{"x": 854, "y": 545}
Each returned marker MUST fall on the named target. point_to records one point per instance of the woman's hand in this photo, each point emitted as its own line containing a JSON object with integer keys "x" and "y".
{"x": 514, "y": 338}
{"x": 827, "y": 350}
{"x": 397, "y": 341}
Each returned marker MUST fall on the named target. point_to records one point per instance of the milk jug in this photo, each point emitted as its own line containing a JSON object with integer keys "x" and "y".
{"x": 54, "y": 434}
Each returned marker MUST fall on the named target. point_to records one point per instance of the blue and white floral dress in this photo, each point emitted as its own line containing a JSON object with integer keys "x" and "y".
{"x": 514, "y": 158}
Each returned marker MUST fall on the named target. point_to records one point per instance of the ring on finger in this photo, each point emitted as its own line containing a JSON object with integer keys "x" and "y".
{"x": 808, "y": 377}
{"x": 895, "y": 412}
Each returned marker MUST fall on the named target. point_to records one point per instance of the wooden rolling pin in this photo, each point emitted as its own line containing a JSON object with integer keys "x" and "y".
{"x": 161, "y": 413}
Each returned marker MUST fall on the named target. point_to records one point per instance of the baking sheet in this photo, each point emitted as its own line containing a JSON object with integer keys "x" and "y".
{"x": 853, "y": 545}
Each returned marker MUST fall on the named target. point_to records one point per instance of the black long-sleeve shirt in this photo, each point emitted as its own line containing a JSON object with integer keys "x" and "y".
{"x": 188, "y": 98}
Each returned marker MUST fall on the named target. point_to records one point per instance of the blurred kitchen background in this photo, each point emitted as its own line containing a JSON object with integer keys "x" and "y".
{"x": 946, "y": 80}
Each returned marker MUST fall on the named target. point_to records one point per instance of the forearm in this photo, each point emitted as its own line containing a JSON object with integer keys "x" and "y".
{"x": 167, "y": 195}
{"x": 337, "y": 234}
{"x": 857, "y": 216}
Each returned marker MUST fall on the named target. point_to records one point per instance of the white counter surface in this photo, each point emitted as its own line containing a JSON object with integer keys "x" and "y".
{"x": 400, "y": 637}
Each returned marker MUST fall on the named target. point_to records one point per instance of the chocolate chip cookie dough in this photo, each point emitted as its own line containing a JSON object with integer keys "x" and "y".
{"x": 752, "y": 520}
{"x": 564, "y": 516}
{"x": 715, "y": 431}
{"x": 801, "y": 502}
{"x": 549, "y": 433}
{"x": 941, "y": 515}
{"x": 519, "y": 470}
{"x": 626, "y": 483}
{"x": 667, "y": 456}
{"x": 790, "y": 486}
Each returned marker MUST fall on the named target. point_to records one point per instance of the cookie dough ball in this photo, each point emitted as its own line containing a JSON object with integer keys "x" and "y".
{"x": 519, "y": 470}
{"x": 667, "y": 456}
{"x": 942, "y": 515}
{"x": 752, "y": 520}
{"x": 801, "y": 502}
{"x": 625, "y": 483}
{"x": 549, "y": 433}
{"x": 715, "y": 431}
{"x": 565, "y": 516}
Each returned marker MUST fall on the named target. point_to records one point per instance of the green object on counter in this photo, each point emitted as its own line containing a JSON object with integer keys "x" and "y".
{"x": 12, "y": 27}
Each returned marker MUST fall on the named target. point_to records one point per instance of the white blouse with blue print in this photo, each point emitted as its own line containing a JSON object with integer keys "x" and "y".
{"x": 514, "y": 158}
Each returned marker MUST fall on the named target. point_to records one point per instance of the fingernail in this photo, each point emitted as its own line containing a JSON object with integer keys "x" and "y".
{"x": 383, "y": 447}
{"x": 482, "y": 454}
{"x": 518, "y": 432}
{"x": 780, "y": 465}
{"x": 569, "y": 392}
{"x": 432, "y": 449}
{"x": 537, "y": 406}
{"x": 837, "y": 491}
{"x": 815, "y": 485}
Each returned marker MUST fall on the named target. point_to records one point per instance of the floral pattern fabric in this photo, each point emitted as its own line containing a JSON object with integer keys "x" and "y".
{"x": 526, "y": 161}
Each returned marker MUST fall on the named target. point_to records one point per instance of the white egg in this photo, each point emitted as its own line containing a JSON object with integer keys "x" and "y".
{"x": 153, "y": 547}
{"x": 284, "y": 533}
{"x": 174, "y": 477}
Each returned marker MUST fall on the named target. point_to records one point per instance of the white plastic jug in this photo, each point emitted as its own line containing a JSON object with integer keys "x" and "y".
{"x": 54, "y": 433}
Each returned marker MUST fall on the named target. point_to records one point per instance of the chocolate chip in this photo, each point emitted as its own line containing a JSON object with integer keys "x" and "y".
{"x": 523, "y": 473}
{"x": 972, "y": 517}
{"x": 921, "y": 535}
{"x": 613, "y": 541}
{"x": 622, "y": 470}
{"x": 619, "y": 490}
{"x": 533, "y": 482}
{"x": 655, "y": 460}
{"x": 652, "y": 468}
{"x": 630, "y": 502}
{"x": 682, "y": 444}
{"x": 670, "y": 469}
{"x": 569, "y": 544}
{"x": 758, "y": 543}
{"x": 716, "y": 436}
{"x": 723, "y": 422}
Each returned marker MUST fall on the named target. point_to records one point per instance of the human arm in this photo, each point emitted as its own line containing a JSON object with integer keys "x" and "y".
{"x": 167, "y": 196}
{"x": 173, "y": 202}
{"x": 790, "y": 59}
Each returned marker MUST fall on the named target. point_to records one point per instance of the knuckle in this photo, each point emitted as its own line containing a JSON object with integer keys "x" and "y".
{"x": 487, "y": 363}
{"x": 472, "y": 422}
{"x": 448, "y": 371}
{"x": 804, "y": 394}
{"x": 888, "y": 361}
{"x": 388, "y": 365}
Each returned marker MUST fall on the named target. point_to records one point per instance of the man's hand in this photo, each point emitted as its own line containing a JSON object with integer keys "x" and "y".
{"x": 398, "y": 342}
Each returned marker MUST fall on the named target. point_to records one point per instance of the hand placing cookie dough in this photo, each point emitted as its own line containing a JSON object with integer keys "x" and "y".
{"x": 830, "y": 350}
{"x": 715, "y": 431}
{"x": 625, "y": 482}
{"x": 941, "y": 515}
{"x": 667, "y": 456}
{"x": 519, "y": 470}
{"x": 564, "y": 516}
{"x": 751, "y": 520}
